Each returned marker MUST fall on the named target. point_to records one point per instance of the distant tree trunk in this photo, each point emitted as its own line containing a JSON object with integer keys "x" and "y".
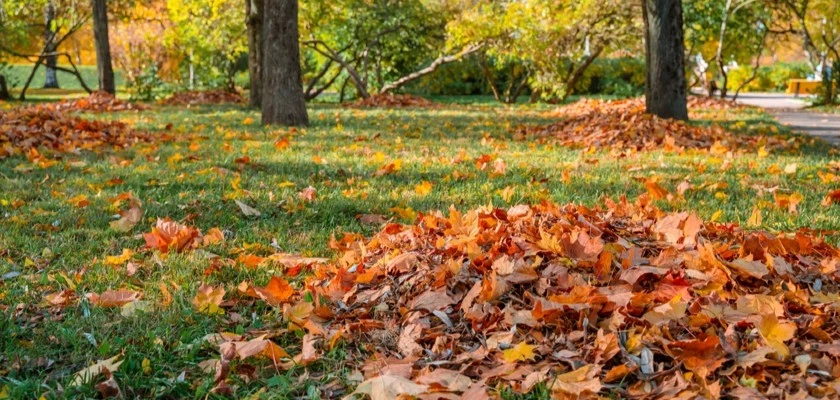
{"x": 103, "y": 46}
{"x": 51, "y": 80}
{"x": 4, "y": 89}
{"x": 665, "y": 87}
{"x": 721, "y": 63}
{"x": 282, "y": 101}
{"x": 254, "y": 14}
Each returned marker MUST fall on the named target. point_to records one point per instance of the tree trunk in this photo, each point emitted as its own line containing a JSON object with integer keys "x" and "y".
{"x": 103, "y": 47}
{"x": 4, "y": 89}
{"x": 665, "y": 87}
{"x": 51, "y": 80}
{"x": 283, "y": 101}
{"x": 254, "y": 14}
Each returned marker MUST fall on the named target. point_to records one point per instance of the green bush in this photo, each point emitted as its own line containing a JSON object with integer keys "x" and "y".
{"x": 771, "y": 78}
{"x": 461, "y": 78}
{"x": 622, "y": 77}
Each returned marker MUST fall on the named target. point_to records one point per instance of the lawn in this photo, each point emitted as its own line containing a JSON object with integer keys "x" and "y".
{"x": 16, "y": 75}
{"x": 393, "y": 163}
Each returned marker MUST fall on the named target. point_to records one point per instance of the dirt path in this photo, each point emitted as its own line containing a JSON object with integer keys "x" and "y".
{"x": 791, "y": 111}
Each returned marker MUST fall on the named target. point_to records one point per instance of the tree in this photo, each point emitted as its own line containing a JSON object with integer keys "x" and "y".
{"x": 818, "y": 23}
{"x": 665, "y": 86}
{"x": 718, "y": 33}
{"x": 546, "y": 45}
{"x": 254, "y": 20}
{"x": 377, "y": 45}
{"x": 50, "y": 45}
{"x": 283, "y": 101}
{"x": 104, "y": 66}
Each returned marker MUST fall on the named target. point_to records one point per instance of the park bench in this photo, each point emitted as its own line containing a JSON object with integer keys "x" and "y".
{"x": 806, "y": 86}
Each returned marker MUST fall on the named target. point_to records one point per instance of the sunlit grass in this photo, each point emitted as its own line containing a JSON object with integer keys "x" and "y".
{"x": 221, "y": 153}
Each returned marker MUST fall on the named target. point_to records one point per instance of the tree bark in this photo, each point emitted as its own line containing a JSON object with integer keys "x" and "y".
{"x": 50, "y": 45}
{"x": 283, "y": 101}
{"x": 4, "y": 89}
{"x": 665, "y": 87}
{"x": 255, "y": 13}
{"x": 103, "y": 47}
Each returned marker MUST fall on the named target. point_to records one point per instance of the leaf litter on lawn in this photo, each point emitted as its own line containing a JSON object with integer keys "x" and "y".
{"x": 25, "y": 129}
{"x": 389, "y": 100}
{"x": 624, "y": 300}
{"x": 624, "y": 125}
{"x": 97, "y": 101}
{"x": 193, "y": 98}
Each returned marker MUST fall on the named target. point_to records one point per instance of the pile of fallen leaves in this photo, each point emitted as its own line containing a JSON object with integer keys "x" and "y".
{"x": 25, "y": 129}
{"x": 192, "y": 98}
{"x": 625, "y": 124}
{"x": 621, "y": 302}
{"x": 712, "y": 103}
{"x": 389, "y": 100}
{"x": 98, "y": 101}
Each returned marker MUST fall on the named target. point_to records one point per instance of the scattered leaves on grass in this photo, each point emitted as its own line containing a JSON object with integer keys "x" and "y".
{"x": 389, "y": 100}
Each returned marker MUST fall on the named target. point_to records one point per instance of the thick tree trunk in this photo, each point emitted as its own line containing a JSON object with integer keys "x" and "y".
{"x": 254, "y": 14}
{"x": 103, "y": 46}
{"x": 51, "y": 80}
{"x": 283, "y": 101}
{"x": 665, "y": 88}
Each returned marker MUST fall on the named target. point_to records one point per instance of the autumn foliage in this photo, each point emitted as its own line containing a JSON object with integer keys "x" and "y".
{"x": 625, "y": 301}
{"x": 624, "y": 125}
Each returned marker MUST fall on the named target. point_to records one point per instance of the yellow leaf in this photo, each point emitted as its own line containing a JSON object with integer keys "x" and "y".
{"x": 405, "y": 213}
{"x": 716, "y": 216}
{"x": 120, "y": 259}
{"x": 521, "y": 352}
{"x": 423, "y": 188}
{"x": 247, "y": 121}
{"x": 755, "y": 218}
{"x": 146, "y": 365}
{"x": 776, "y": 333}
{"x": 208, "y": 299}
{"x": 94, "y": 370}
{"x": 662, "y": 314}
{"x": 80, "y": 201}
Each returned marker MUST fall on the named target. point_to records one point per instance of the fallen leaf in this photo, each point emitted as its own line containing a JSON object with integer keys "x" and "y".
{"x": 247, "y": 210}
{"x": 389, "y": 387}
{"x": 86, "y": 375}
{"x": 521, "y": 352}
{"x": 208, "y": 299}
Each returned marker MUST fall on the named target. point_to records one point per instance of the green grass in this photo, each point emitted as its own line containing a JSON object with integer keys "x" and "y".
{"x": 16, "y": 75}
{"x": 44, "y": 238}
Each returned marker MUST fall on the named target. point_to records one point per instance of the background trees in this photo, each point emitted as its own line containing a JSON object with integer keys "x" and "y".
{"x": 511, "y": 49}
{"x": 545, "y": 46}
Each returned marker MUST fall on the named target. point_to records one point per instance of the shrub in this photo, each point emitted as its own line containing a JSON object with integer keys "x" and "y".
{"x": 771, "y": 78}
{"x": 622, "y": 77}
